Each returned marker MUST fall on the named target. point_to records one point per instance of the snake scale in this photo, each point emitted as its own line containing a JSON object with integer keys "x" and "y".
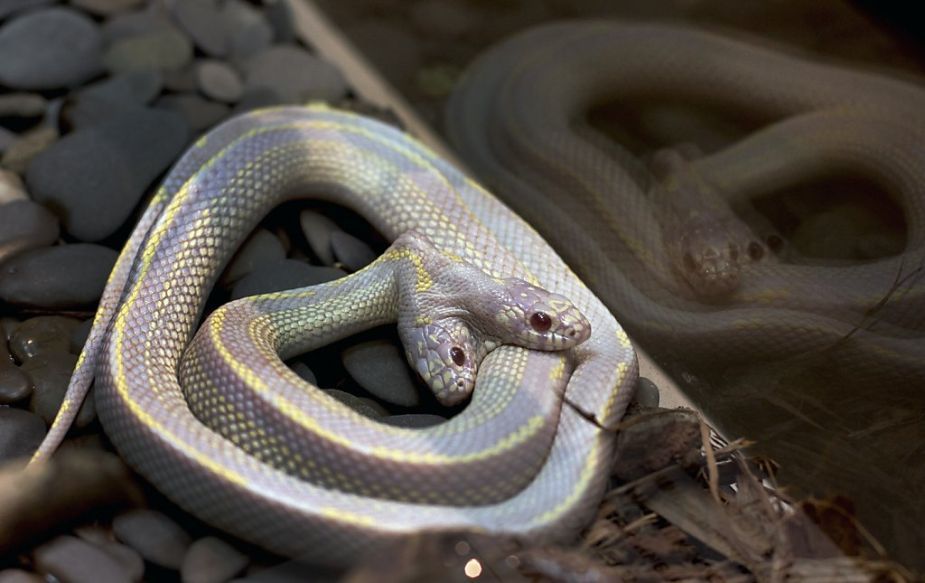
{"x": 514, "y": 461}
{"x": 664, "y": 243}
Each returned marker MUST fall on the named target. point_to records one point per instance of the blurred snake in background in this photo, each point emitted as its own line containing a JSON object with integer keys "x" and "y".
{"x": 247, "y": 446}
{"x": 662, "y": 241}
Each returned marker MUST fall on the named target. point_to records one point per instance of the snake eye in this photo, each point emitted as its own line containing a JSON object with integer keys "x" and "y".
{"x": 755, "y": 251}
{"x": 775, "y": 242}
{"x": 458, "y": 355}
{"x": 540, "y": 321}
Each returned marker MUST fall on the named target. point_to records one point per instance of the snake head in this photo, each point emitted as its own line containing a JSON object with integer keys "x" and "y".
{"x": 710, "y": 258}
{"x": 533, "y": 317}
{"x": 446, "y": 355}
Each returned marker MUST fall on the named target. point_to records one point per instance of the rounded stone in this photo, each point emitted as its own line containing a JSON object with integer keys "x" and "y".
{"x": 257, "y": 98}
{"x": 15, "y": 385}
{"x": 304, "y": 372}
{"x": 79, "y": 336}
{"x": 248, "y": 30}
{"x": 22, "y": 105}
{"x": 42, "y": 335}
{"x": 61, "y": 277}
{"x": 126, "y": 556}
{"x": 50, "y": 376}
{"x": 123, "y": 26}
{"x": 646, "y": 393}
{"x": 155, "y": 536}
{"x": 107, "y": 7}
{"x": 133, "y": 87}
{"x": 362, "y": 405}
{"x": 21, "y": 432}
{"x": 200, "y": 114}
{"x": 380, "y": 368}
{"x": 25, "y": 225}
{"x": 211, "y": 560}
{"x": 261, "y": 248}
{"x": 295, "y": 74}
{"x": 413, "y": 420}
{"x": 317, "y": 229}
{"x": 201, "y": 20}
{"x": 11, "y": 189}
{"x": 218, "y": 81}
{"x": 283, "y": 275}
{"x": 72, "y": 560}
{"x": 351, "y": 252}
{"x": 94, "y": 177}
{"x": 7, "y": 139}
{"x": 8, "y": 7}
{"x": 49, "y": 49}
{"x": 163, "y": 49}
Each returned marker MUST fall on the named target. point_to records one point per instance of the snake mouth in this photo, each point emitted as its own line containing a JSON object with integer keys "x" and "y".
{"x": 714, "y": 281}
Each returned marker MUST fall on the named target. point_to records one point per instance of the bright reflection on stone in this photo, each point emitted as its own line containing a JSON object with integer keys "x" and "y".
{"x": 473, "y": 568}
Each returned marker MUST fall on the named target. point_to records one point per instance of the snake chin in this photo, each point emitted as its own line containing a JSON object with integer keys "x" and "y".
{"x": 711, "y": 277}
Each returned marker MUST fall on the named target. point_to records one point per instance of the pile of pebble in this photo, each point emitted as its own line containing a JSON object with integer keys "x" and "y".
{"x": 97, "y": 99}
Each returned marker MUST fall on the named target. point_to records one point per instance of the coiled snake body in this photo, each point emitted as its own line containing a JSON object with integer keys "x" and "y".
{"x": 513, "y": 462}
{"x": 662, "y": 245}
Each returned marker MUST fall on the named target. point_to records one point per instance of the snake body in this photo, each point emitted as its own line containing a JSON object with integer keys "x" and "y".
{"x": 252, "y": 484}
{"x": 518, "y": 117}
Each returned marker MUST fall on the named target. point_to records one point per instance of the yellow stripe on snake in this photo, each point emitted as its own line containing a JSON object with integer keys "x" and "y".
{"x": 664, "y": 245}
{"x": 247, "y": 446}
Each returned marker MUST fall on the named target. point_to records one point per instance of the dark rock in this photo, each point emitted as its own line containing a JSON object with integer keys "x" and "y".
{"x": 646, "y": 393}
{"x": 79, "y": 336}
{"x": 258, "y": 97}
{"x": 283, "y": 275}
{"x": 361, "y": 405}
{"x": 182, "y": 80}
{"x": 15, "y": 385}
{"x": 201, "y": 20}
{"x": 248, "y": 30}
{"x": 89, "y": 111}
{"x": 164, "y": 49}
{"x": 296, "y": 74}
{"x": 380, "y": 368}
{"x": 107, "y": 7}
{"x": 305, "y": 373}
{"x": 62, "y": 277}
{"x": 218, "y": 81}
{"x": 24, "y": 105}
{"x": 200, "y": 114}
{"x": 95, "y": 176}
{"x": 135, "y": 87}
{"x": 351, "y": 252}
{"x": 155, "y": 536}
{"x": 413, "y": 420}
{"x": 48, "y": 49}
{"x": 72, "y": 560}
{"x": 8, "y": 325}
{"x": 132, "y": 24}
{"x": 25, "y": 225}
{"x": 261, "y": 248}
{"x": 42, "y": 335}
{"x": 21, "y": 432}
{"x": 8, "y": 7}
{"x": 317, "y": 229}
{"x": 7, "y": 138}
{"x": 211, "y": 560}
{"x": 50, "y": 376}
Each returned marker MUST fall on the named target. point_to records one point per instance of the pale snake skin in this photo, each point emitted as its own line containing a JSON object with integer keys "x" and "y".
{"x": 517, "y": 118}
{"x": 208, "y": 203}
